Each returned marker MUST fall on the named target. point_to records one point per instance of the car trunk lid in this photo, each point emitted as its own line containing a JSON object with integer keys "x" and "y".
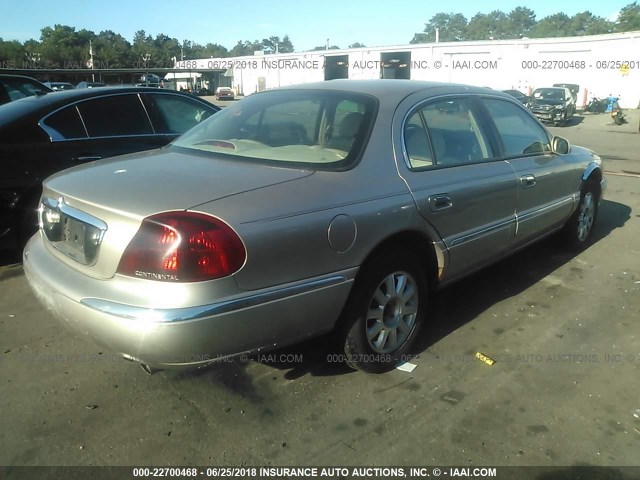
{"x": 90, "y": 213}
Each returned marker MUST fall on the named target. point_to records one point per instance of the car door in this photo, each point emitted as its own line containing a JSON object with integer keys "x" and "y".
{"x": 459, "y": 188}
{"x": 545, "y": 180}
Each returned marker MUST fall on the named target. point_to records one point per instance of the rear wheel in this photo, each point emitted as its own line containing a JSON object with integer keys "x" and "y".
{"x": 579, "y": 228}
{"x": 384, "y": 312}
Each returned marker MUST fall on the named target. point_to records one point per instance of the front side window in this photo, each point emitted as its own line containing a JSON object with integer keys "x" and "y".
{"x": 115, "y": 115}
{"x": 520, "y": 133}
{"x": 311, "y": 128}
{"x": 452, "y": 132}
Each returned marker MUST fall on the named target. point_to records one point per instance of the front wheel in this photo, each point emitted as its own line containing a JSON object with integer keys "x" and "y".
{"x": 384, "y": 312}
{"x": 579, "y": 228}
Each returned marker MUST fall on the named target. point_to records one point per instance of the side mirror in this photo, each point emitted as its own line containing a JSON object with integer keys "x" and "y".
{"x": 560, "y": 145}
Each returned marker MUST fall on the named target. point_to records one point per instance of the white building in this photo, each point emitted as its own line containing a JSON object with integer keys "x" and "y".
{"x": 602, "y": 65}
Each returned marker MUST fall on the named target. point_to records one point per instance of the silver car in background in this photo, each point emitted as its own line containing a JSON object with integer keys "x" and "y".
{"x": 330, "y": 207}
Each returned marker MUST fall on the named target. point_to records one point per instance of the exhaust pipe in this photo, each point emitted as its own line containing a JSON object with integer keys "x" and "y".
{"x": 148, "y": 370}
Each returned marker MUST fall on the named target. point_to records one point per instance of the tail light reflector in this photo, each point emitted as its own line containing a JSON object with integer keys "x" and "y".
{"x": 183, "y": 247}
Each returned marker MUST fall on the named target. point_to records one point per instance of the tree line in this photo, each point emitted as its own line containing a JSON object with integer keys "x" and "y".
{"x": 521, "y": 22}
{"x": 62, "y": 46}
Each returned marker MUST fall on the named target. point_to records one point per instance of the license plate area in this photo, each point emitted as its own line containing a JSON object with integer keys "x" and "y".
{"x": 71, "y": 231}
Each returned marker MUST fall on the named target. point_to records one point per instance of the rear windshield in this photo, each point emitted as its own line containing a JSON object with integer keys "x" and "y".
{"x": 316, "y": 129}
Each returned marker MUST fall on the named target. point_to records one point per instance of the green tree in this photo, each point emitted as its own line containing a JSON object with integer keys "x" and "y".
{"x": 492, "y": 26}
{"x": 585, "y": 23}
{"x": 62, "y": 46}
{"x": 12, "y": 54}
{"x": 165, "y": 49}
{"x": 143, "y": 49}
{"x": 556, "y": 25}
{"x": 521, "y": 21}
{"x": 245, "y": 48}
{"x": 628, "y": 18}
{"x": 286, "y": 46}
{"x": 357, "y": 45}
{"x": 112, "y": 49}
{"x": 451, "y": 27}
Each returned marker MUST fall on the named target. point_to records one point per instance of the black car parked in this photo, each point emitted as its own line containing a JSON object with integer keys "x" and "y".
{"x": 518, "y": 95}
{"x": 43, "y": 134}
{"x": 15, "y": 87}
{"x": 554, "y": 105}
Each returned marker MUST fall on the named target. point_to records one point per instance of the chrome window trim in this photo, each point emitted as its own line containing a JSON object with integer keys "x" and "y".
{"x": 55, "y": 136}
{"x": 166, "y": 315}
{"x": 144, "y": 107}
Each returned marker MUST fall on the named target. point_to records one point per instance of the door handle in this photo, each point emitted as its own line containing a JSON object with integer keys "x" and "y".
{"x": 527, "y": 181}
{"x": 440, "y": 202}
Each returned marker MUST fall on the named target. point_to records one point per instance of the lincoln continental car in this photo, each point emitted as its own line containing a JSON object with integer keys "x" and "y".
{"x": 334, "y": 207}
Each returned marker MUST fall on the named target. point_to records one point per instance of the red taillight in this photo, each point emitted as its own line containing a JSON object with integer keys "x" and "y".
{"x": 183, "y": 247}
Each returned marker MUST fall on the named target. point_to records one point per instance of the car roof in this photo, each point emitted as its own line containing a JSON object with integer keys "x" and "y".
{"x": 380, "y": 87}
{"x": 40, "y": 104}
{"x": 392, "y": 89}
{"x": 21, "y": 77}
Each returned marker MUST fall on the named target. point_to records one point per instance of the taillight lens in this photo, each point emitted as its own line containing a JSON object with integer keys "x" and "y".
{"x": 183, "y": 247}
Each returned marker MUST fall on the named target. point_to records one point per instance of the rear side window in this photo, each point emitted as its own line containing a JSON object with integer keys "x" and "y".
{"x": 65, "y": 125}
{"x": 520, "y": 133}
{"x": 115, "y": 115}
{"x": 177, "y": 114}
{"x": 417, "y": 143}
{"x": 453, "y": 133}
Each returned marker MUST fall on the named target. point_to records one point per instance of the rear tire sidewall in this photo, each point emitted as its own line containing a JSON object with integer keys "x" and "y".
{"x": 352, "y": 331}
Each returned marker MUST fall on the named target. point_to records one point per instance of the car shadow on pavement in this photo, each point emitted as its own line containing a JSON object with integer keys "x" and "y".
{"x": 575, "y": 120}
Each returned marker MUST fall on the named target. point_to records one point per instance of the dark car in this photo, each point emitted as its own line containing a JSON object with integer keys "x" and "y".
{"x": 42, "y": 135}
{"x": 15, "y": 87}
{"x": 224, "y": 93}
{"x": 573, "y": 88}
{"x": 518, "y": 95}
{"x": 553, "y": 105}
{"x": 59, "y": 86}
{"x": 91, "y": 85}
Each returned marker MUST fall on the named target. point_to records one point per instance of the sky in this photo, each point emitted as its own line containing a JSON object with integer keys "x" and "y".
{"x": 308, "y": 24}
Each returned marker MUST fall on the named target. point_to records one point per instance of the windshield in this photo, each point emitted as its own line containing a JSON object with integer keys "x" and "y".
{"x": 317, "y": 129}
{"x": 553, "y": 94}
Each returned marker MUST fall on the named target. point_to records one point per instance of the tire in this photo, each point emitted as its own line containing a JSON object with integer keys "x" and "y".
{"x": 619, "y": 120}
{"x": 384, "y": 312}
{"x": 578, "y": 230}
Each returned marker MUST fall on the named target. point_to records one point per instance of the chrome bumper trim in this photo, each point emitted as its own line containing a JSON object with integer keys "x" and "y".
{"x": 194, "y": 313}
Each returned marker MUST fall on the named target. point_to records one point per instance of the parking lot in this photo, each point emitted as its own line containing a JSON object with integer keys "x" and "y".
{"x": 562, "y": 328}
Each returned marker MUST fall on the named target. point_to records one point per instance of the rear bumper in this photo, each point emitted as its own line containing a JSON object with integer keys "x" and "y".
{"x": 189, "y": 336}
